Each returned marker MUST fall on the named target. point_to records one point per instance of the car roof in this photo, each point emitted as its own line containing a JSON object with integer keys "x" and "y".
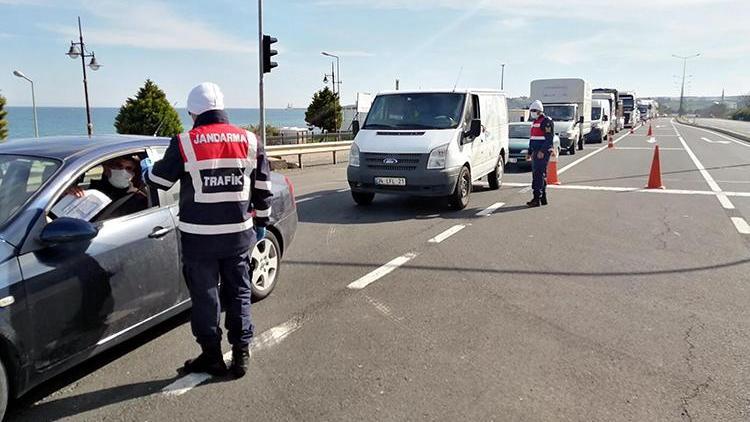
{"x": 63, "y": 147}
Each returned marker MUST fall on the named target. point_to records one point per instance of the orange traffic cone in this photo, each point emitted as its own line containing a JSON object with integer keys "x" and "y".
{"x": 631, "y": 130}
{"x": 654, "y": 179}
{"x": 552, "y": 178}
{"x": 611, "y": 143}
{"x": 650, "y": 131}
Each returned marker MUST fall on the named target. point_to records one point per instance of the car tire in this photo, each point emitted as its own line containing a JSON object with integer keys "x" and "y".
{"x": 4, "y": 390}
{"x": 495, "y": 179}
{"x": 572, "y": 149}
{"x": 363, "y": 198}
{"x": 266, "y": 263}
{"x": 460, "y": 197}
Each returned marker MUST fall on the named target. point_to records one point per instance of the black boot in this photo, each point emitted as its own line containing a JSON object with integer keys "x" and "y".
{"x": 533, "y": 203}
{"x": 543, "y": 199}
{"x": 240, "y": 361}
{"x": 210, "y": 362}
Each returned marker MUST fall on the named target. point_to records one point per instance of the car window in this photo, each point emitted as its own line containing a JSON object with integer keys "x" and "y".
{"x": 108, "y": 190}
{"x": 21, "y": 177}
{"x": 171, "y": 196}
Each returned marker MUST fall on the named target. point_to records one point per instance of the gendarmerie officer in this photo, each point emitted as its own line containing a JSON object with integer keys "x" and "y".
{"x": 224, "y": 178}
{"x": 540, "y": 149}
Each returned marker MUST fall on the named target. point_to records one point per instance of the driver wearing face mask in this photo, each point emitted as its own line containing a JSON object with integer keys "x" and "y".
{"x": 120, "y": 179}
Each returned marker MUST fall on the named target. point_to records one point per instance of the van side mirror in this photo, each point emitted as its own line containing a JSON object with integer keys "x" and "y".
{"x": 580, "y": 120}
{"x": 605, "y": 118}
{"x": 355, "y": 128}
{"x": 475, "y": 129}
{"x": 68, "y": 230}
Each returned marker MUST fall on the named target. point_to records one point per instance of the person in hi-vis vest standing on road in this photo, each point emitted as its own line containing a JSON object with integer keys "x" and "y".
{"x": 224, "y": 178}
{"x": 541, "y": 147}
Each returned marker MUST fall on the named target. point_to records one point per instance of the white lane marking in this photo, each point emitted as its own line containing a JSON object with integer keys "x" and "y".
{"x": 381, "y": 272}
{"x": 638, "y": 190}
{"x": 721, "y": 135}
{"x": 741, "y": 225}
{"x": 725, "y": 202}
{"x": 527, "y": 189}
{"x": 649, "y": 149}
{"x": 715, "y": 142}
{"x": 303, "y": 200}
{"x": 448, "y": 233}
{"x": 489, "y": 210}
{"x": 586, "y": 157}
{"x": 343, "y": 190}
{"x": 265, "y": 340}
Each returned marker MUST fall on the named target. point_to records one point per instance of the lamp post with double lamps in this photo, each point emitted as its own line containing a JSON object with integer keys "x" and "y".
{"x": 78, "y": 49}
{"x": 33, "y": 99}
{"x": 682, "y": 90}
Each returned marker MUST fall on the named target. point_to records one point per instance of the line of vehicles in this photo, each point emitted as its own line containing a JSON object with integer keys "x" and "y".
{"x": 437, "y": 143}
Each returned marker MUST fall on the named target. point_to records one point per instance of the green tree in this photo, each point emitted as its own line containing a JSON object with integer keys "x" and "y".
{"x": 148, "y": 113}
{"x": 743, "y": 114}
{"x": 271, "y": 130}
{"x": 325, "y": 111}
{"x": 3, "y": 122}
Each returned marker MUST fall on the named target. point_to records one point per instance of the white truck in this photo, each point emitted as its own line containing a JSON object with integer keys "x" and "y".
{"x": 648, "y": 109}
{"x": 601, "y": 121}
{"x": 615, "y": 105}
{"x": 568, "y": 103}
{"x": 629, "y": 109}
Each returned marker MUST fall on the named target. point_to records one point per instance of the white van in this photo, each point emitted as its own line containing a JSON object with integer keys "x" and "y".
{"x": 601, "y": 118}
{"x": 430, "y": 143}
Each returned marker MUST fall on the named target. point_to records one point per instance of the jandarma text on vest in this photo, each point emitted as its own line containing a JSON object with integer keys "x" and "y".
{"x": 205, "y": 138}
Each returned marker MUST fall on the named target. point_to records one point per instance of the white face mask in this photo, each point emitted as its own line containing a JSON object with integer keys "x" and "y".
{"x": 534, "y": 115}
{"x": 120, "y": 178}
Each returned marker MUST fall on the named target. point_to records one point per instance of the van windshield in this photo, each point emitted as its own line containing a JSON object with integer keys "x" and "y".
{"x": 627, "y": 103}
{"x": 596, "y": 113}
{"x": 560, "y": 113}
{"x": 416, "y": 111}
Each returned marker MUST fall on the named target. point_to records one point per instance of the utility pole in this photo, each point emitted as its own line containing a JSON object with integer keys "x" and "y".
{"x": 502, "y": 78}
{"x": 684, "y": 59}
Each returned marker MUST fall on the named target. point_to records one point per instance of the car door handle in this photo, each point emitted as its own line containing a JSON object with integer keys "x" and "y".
{"x": 160, "y": 232}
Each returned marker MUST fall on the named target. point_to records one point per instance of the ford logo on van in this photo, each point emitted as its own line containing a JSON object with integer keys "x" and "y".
{"x": 390, "y": 161}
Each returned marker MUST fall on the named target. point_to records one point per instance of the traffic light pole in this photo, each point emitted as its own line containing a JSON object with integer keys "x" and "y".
{"x": 260, "y": 66}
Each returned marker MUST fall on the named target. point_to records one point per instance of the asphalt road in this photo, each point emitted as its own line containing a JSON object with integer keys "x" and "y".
{"x": 610, "y": 304}
{"x": 742, "y": 128}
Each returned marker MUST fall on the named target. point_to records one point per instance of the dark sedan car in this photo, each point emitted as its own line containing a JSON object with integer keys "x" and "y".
{"x": 70, "y": 288}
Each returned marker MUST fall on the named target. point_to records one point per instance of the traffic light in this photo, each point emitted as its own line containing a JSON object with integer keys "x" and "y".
{"x": 268, "y": 53}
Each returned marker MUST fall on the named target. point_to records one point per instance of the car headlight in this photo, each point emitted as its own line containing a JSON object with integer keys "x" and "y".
{"x": 524, "y": 151}
{"x": 437, "y": 158}
{"x": 597, "y": 125}
{"x": 354, "y": 156}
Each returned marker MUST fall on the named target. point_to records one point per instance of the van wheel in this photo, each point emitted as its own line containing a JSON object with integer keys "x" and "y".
{"x": 572, "y": 149}
{"x": 495, "y": 178}
{"x": 266, "y": 262}
{"x": 4, "y": 390}
{"x": 363, "y": 198}
{"x": 460, "y": 197}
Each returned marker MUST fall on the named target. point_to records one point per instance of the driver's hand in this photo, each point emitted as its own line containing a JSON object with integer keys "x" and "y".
{"x": 75, "y": 191}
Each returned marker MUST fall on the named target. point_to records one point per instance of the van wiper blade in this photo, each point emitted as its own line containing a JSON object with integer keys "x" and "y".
{"x": 414, "y": 126}
{"x": 378, "y": 126}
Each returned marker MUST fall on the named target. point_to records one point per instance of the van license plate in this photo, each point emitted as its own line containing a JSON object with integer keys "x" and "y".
{"x": 513, "y": 160}
{"x": 390, "y": 181}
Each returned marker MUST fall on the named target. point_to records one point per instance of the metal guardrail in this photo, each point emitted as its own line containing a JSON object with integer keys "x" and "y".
{"x": 715, "y": 129}
{"x": 302, "y": 149}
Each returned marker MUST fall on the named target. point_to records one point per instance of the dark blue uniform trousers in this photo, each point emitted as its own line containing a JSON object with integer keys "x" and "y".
{"x": 202, "y": 278}
{"x": 539, "y": 174}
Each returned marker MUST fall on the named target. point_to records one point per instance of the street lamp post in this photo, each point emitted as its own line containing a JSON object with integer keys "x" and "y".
{"x": 338, "y": 71}
{"x": 502, "y": 78}
{"x": 33, "y": 100}
{"x": 336, "y": 86}
{"x": 78, "y": 49}
{"x": 682, "y": 89}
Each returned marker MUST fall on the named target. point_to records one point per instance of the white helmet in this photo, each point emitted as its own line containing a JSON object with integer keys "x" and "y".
{"x": 204, "y": 97}
{"x": 537, "y": 105}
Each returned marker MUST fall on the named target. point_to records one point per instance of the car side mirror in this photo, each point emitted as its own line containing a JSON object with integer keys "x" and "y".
{"x": 605, "y": 118}
{"x": 68, "y": 230}
{"x": 475, "y": 129}
{"x": 355, "y": 128}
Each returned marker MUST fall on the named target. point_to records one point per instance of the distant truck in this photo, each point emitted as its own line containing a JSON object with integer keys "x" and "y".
{"x": 648, "y": 109}
{"x": 518, "y": 115}
{"x": 628, "y": 108}
{"x": 568, "y": 103}
{"x": 617, "y": 121}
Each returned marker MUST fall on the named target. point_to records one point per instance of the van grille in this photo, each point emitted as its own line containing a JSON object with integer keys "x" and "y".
{"x": 405, "y": 162}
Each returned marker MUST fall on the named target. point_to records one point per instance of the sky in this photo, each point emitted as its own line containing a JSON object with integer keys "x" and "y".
{"x": 423, "y": 43}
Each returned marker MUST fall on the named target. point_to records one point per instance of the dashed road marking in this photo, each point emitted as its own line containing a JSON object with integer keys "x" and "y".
{"x": 649, "y": 149}
{"x": 265, "y": 340}
{"x": 303, "y": 200}
{"x": 639, "y": 190}
{"x": 381, "y": 272}
{"x": 715, "y": 142}
{"x": 448, "y": 233}
{"x": 491, "y": 209}
{"x": 586, "y": 157}
{"x": 741, "y": 225}
{"x": 744, "y": 144}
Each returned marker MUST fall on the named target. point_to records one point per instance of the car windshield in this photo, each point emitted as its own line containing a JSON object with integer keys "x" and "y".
{"x": 560, "y": 113}
{"x": 643, "y": 109}
{"x": 519, "y": 131}
{"x": 416, "y": 111}
{"x": 21, "y": 177}
{"x": 627, "y": 103}
{"x": 596, "y": 113}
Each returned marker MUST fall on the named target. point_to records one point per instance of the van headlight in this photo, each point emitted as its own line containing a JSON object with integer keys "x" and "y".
{"x": 354, "y": 156}
{"x": 437, "y": 158}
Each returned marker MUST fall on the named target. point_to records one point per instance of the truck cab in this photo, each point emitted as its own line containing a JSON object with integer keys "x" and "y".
{"x": 568, "y": 103}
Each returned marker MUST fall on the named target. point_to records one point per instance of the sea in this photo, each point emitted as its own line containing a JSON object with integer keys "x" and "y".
{"x": 55, "y": 121}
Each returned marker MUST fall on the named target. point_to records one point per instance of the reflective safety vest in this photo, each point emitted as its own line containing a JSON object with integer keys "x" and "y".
{"x": 542, "y": 134}
{"x": 225, "y": 179}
